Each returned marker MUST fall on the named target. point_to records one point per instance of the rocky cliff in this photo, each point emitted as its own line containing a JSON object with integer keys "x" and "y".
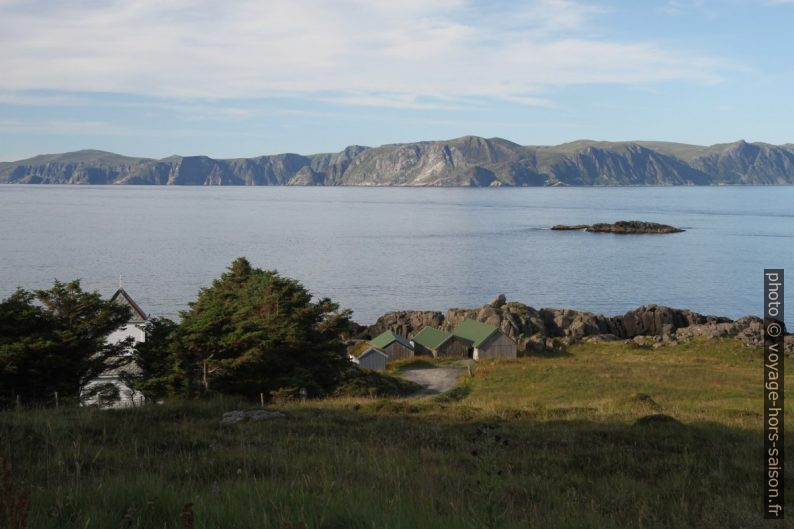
{"x": 539, "y": 330}
{"x": 468, "y": 161}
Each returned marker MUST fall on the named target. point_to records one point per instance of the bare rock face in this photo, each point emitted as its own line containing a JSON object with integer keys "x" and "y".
{"x": 741, "y": 162}
{"x": 713, "y": 330}
{"x": 405, "y": 323}
{"x": 750, "y": 330}
{"x": 653, "y": 320}
{"x": 306, "y": 176}
{"x": 575, "y": 325}
{"x": 533, "y": 344}
{"x": 514, "y": 319}
{"x": 498, "y": 301}
{"x": 334, "y": 165}
{"x": 466, "y": 161}
{"x": 601, "y": 338}
{"x": 536, "y": 330}
{"x": 455, "y": 316}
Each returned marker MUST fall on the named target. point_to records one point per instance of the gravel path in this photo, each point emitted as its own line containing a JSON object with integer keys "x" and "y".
{"x": 434, "y": 380}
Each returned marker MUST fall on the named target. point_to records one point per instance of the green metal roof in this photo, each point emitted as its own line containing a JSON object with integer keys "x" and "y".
{"x": 387, "y": 338}
{"x": 473, "y": 331}
{"x": 431, "y": 337}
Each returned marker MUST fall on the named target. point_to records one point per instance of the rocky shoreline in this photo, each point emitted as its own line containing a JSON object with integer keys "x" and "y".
{"x": 548, "y": 329}
{"x": 622, "y": 226}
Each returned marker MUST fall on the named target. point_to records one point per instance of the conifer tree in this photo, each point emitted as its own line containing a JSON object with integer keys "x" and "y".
{"x": 254, "y": 331}
{"x": 55, "y": 340}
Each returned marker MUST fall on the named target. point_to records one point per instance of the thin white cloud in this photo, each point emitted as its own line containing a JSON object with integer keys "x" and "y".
{"x": 24, "y": 99}
{"x": 63, "y": 127}
{"x": 412, "y": 50}
{"x": 713, "y": 7}
{"x": 93, "y": 129}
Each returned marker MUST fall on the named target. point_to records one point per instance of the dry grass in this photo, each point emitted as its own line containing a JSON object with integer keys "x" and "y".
{"x": 14, "y": 503}
{"x": 575, "y": 458}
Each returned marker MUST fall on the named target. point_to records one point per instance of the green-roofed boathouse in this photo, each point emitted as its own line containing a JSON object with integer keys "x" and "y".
{"x": 393, "y": 345}
{"x": 440, "y": 344}
{"x": 487, "y": 341}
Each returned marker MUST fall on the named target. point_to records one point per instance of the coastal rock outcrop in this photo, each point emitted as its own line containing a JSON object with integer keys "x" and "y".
{"x": 405, "y": 322}
{"x": 537, "y": 330}
{"x": 498, "y": 301}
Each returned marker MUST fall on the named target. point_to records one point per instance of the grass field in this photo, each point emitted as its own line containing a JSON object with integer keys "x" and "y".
{"x": 540, "y": 442}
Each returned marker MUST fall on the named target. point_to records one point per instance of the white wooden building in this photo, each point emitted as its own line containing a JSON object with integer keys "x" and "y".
{"x": 115, "y": 393}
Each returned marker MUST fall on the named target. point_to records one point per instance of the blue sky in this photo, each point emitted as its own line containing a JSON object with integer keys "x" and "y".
{"x": 251, "y": 77}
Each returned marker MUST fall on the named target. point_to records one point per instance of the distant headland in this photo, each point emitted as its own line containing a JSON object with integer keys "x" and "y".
{"x": 469, "y": 161}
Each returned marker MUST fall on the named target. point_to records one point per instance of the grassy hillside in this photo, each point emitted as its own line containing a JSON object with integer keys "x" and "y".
{"x": 546, "y": 442}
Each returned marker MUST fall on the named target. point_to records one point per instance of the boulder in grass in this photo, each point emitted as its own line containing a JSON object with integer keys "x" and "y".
{"x": 234, "y": 417}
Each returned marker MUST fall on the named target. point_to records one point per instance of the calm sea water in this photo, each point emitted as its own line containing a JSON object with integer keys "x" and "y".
{"x": 381, "y": 249}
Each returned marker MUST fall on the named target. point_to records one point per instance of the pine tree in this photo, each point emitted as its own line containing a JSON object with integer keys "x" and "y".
{"x": 55, "y": 340}
{"x": 254, "y": 331}
{"x": 156, "y": 360}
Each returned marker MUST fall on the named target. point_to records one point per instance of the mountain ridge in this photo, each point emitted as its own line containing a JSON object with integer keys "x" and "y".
{"x": 468, "y": 161}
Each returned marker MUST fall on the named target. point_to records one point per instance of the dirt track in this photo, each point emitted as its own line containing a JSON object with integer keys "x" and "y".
{"x": 434, "y": 380}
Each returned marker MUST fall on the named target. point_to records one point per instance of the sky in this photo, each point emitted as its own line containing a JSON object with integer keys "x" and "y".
{"x": 249, "y": 77}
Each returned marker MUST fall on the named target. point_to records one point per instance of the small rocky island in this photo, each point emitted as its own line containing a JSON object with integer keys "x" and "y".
{"x": 622, "y": 226}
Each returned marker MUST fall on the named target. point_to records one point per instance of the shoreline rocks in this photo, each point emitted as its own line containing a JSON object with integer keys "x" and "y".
{"x": 621, "y": 227}
{"x": 404, "y": 322}
{"x": 548, "y": 329}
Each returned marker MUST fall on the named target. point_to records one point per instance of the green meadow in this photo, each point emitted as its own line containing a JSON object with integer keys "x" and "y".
{"x": 599, "y": 436}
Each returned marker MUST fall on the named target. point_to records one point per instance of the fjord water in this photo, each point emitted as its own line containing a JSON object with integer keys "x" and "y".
{"x": 380, "y": 249}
